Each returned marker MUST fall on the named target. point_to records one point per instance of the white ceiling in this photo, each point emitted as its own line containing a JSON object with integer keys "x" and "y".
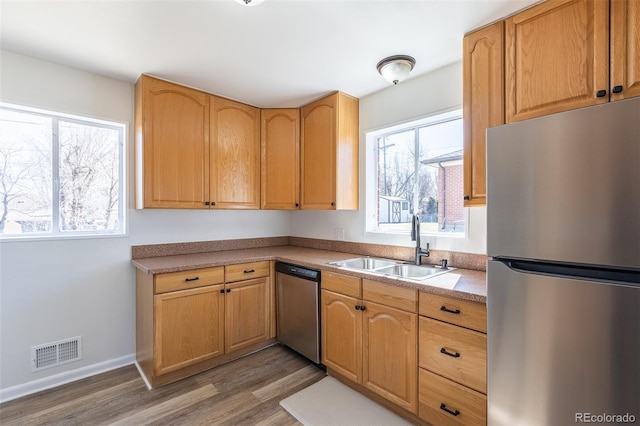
{"x": 276, "y": 54}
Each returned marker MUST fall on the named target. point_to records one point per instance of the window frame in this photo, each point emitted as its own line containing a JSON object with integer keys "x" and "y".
{"x": 371, "y": 173}
{"x": 56, "y": 233}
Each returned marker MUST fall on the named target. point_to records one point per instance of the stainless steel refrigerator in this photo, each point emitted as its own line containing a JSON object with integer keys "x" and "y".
{"x": 563, "y": 296}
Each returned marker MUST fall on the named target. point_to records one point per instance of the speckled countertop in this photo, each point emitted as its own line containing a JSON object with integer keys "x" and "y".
{"x": 461, "y": 283}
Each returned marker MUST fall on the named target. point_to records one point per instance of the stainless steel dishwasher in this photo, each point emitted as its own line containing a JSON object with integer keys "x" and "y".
{"x": 298, "y": 310}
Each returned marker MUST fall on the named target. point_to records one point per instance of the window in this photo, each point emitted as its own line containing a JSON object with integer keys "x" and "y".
{"x": 417, "y": 169}
{"x": 59, "y": 175}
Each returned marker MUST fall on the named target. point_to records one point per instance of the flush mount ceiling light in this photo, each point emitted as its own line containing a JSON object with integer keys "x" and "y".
{"x": 396, "y": 68}
{"x": 249, "y": 2}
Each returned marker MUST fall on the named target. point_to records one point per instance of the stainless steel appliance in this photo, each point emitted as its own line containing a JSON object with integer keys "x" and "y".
{"x": 563, "y": 297}
{"x": 298, "y": 310}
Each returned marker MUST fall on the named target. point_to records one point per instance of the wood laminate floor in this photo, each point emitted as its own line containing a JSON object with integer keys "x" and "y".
{"x": 244, "y": 392}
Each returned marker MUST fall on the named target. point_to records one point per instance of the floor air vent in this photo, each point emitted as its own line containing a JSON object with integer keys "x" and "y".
{"x": 56, "y": 353}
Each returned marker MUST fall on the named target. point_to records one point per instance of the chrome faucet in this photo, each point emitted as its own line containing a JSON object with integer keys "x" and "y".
{"x": 415, "y": 236}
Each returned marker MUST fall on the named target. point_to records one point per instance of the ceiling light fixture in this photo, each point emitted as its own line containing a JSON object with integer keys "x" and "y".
{"x": 396, "y": 68}
{"x": 249, "y": 2}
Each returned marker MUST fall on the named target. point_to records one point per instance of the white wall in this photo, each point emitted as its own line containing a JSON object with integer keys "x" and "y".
{"x": 52, "y": 290}
{"x": 438, "y": 91}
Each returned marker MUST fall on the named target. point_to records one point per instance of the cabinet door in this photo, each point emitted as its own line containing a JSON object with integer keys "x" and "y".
{"x": 483, "y": 104}
{"x": 235, "y": 155}
{"x": 625, "y": 49}
{"x": 280, "y": 159}
{"x": 390, "y": 355}
{"x": 318, "y": 186}
{"x": 342, "y": 334}
{"x": 247, "y": 313}
{"x": 172, "y": 131}
{"x": 189, "y": 327}
{"x": 557, "y": 58}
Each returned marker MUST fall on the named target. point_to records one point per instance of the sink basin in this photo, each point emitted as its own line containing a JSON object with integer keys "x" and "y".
{"x": 365, "y": 263}
{"x": 390, "y": 267}
{"x": 414, "y": 272}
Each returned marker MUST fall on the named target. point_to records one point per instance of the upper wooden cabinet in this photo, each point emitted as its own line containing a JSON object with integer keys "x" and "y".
{"x": 330, "y": 153}
{"x": 625, "y": 49}
{"x": 235, "y": 155}
{"x": 280, "y": 159}
{"x": 172, "y": 145}
{"x": 195, "y": 150}
{"x": 557, "y": 56}
{"x": 483, "y": 103}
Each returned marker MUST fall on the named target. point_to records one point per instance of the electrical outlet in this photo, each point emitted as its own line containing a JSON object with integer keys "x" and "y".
{"x": 338, "y": 234}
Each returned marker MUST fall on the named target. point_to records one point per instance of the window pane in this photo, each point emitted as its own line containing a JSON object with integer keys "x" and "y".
{"x": 441, "y": 177}
{"x": 396, "y": 179}
{"x": 25, "y": 173}
{"x": 89, "y": 177}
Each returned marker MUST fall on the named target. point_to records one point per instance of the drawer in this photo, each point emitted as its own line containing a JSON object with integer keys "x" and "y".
{"x": 183, "y": 280}
{"x": 443, "y": 402}
{"x": 343, "y": 284}
{"x": 456, "y": 311}
{"x": 246, "y": 271}
{"x": 454, "y": 352}
{"x": 404, "y": 298}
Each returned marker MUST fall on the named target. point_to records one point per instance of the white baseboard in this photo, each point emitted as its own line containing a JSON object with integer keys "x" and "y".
{"x": 65, "y": 377}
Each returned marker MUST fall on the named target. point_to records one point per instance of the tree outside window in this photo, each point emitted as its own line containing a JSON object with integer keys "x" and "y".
{"x": 59, "y": 175}
{"x": 419, "y": 171}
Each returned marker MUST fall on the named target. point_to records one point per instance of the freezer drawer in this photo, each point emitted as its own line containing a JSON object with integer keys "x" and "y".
{"x": 560, "y": 347}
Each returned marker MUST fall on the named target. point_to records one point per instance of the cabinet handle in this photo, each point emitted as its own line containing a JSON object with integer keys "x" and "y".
{"x": 444, "y": 309}
{"x": 451, "y": 354}
{"x": 213, "y": 203}
{"x": 297, "y": 205}
{"x": 207, "y": 203}
{"x": 228, "y": 290}
{"x": 617, "y": 89}
{"x": 601, "y": 93}
{"x": 357, "y": 307}
{"x": 222, "y": 291}
{"x": 360, "y": 308}
{"x": 467, "y": 198}
{"x": 333, "y": 203}
{"x": 249, "y": 271}
{"x": 443, "y": 407}
{"x": 192, "y": 279}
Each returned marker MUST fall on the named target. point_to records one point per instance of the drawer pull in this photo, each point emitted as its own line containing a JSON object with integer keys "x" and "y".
{"x": 192, "y": 279}
{"x": 451, "y": 354}
{"x": 444, "y": 309}
{"x": 249, "y": 271}
{"x": 443, "y": 407}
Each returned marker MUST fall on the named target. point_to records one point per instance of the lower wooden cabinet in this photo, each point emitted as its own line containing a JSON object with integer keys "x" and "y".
{"x": 452, "y": 360}
{"x": 187, "y": 322}
{"x": 368, "y": 342}
{"x": 246, "y": 313}
{"x": 454, "y": 352}
{"x": 444, "y": 402}
{"x": 189, "y": 327}
{"x": 342, "y": 334}
{"x": 390, "y": 354}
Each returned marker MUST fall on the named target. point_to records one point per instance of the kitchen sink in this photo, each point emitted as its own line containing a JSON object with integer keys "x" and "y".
{"x": 365, "y": 263}
{"x": 390, "y": 267}
{"x": 414, "y": 272}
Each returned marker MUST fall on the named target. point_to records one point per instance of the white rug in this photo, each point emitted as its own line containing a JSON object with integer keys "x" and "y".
{"x": 330, "y": 403}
